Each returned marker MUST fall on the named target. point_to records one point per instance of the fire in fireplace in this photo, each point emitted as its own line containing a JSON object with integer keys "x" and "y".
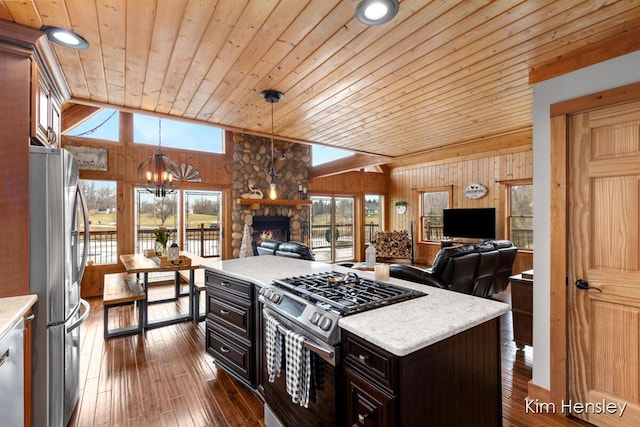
{"x": 270, "y": 228}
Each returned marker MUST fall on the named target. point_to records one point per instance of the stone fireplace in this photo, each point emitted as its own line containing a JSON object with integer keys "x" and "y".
{"x": 251, "y": 161}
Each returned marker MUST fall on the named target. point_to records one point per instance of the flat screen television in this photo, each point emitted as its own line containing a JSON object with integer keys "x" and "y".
{"x": 473, "y": 223}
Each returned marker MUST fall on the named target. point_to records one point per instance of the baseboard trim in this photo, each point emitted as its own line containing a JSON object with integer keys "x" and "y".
{"x": 537, "y": 392}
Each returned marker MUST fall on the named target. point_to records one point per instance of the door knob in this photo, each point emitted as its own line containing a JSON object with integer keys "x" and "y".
{"x": 584, "y": 285}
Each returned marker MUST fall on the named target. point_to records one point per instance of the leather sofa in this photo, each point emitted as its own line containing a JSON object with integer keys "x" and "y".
{"x": 287, "y": 249}
{"x": 482, "y": 269}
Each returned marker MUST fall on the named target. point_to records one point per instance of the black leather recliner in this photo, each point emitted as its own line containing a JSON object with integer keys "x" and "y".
{"x": 482, "y": 270}
{"x": 287, "y": 249}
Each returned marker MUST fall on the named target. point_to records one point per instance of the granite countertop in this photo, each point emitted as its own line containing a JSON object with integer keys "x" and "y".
{"x": 13, "y": 309}
{"x": 263, "y": 269}
{"x": 400, "y": 328}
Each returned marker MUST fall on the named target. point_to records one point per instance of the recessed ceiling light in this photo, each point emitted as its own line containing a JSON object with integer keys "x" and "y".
{"x": 376, "y": 12}
{"x": 65, "y": 38}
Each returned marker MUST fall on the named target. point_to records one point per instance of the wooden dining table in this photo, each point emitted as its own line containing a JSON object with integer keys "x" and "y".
{"x": 141, "y": 265}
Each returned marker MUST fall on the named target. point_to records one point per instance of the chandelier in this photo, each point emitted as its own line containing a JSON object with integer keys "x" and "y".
{"x": 158, "y": 171}
{"x": 272, "y": 96}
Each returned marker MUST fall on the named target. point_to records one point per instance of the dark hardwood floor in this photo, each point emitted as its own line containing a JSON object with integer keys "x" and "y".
{"x": 164, "y": 378}
{"x": 516, "y": 373}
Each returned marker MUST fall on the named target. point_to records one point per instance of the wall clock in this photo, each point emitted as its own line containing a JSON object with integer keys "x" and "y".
{"x": 475, "y": 191}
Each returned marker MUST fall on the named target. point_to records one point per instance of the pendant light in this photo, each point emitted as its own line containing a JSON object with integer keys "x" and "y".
{"x": 272, "y": 96}
{"x": 158, "y": 171}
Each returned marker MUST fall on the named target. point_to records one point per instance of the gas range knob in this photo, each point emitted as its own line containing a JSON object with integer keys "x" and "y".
{"x": 275, "y": 297}
{"x": 315, "y": 317}
{"x": 266, "y": 292}
{"x": 325, "y": 323}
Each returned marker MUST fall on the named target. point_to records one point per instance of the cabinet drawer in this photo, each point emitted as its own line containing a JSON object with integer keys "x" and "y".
{"x": 230, "y": 285}
{"x": 366, "y": 404}
{"x": 232, "y": 315}
{"x": 230, "y": 353}
{"x": 372, "y": 361}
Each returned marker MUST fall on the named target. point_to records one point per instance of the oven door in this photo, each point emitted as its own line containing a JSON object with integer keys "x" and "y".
{"x": 322, "y": 408}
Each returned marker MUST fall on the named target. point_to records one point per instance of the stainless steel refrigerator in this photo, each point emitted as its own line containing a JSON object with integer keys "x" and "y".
{"x": 57, "y": 255}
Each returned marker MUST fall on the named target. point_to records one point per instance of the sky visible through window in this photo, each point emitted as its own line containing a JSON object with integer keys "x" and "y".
{"x": 103, "y": 125}
{"x": 322, "y": 154}
{"x": 176, "y": 134}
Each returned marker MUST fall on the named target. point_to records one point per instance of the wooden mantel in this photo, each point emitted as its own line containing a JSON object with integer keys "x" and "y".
{"x": 256, "y": 203}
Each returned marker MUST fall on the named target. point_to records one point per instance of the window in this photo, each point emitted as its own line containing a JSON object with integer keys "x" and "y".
{"x": 433, "y": 202}
{"x": 177, "y": 134}
{"x": 102, "y": 125}
{"x": 195, "y": 226}
{"x": 101, "y": 204}
{"x": 202, "y": 225}
{"x": 372, "y": 216}
{"x": 151, "y": 213}
{"x": 321, "y": 154}
{"x": 520, "y": 219}
{"x": 332, "y": 236}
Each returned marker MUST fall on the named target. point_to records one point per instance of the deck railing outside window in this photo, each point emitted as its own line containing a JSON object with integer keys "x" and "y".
{"x": 202, "y": 241}
{"x": 321, "y": 236}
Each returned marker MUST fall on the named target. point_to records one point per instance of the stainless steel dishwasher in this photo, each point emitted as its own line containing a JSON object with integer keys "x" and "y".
{"x": 12, "y": 376}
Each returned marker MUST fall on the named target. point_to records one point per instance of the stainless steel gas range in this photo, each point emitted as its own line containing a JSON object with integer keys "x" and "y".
{"x": 311, "y": 306}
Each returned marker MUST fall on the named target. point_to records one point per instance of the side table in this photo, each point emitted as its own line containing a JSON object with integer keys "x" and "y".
{"x": 522, "y": 308}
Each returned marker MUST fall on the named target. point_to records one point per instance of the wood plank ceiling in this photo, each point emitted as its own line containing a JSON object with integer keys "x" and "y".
{"x": 442, "y": 72}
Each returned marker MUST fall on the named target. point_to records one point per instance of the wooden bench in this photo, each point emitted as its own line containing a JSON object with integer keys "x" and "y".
{"x": 122, "y": 289}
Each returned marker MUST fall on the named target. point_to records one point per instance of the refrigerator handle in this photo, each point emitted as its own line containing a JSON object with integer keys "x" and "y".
{"x": 82, "y": 318}
{"x": 85, "y": 252}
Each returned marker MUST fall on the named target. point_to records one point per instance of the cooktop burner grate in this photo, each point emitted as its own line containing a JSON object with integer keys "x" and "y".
{"x": 345, "y": 293}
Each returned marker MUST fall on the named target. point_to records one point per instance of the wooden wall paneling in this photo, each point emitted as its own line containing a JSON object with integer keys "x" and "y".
{"x": 15, "y": 84}
{"x": 489, "y": 170}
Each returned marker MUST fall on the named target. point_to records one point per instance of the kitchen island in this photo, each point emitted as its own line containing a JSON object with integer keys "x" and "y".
{"x": 432, "y": 359}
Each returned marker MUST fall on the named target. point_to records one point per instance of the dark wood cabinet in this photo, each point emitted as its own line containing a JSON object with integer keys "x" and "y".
{"x": 370, "y": 383}
{"x": 230, "y": 325}
{"x": 522, "y": 308}
{"x": 366, "y": 404}
{"x": 456, "y": 381}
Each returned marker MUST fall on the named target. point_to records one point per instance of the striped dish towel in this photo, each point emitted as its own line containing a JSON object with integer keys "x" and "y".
{"x": 298, "y": 364}
{"x": 273, "y": 346}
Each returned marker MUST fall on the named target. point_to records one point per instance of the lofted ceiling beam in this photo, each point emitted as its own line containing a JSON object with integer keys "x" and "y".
{"x": 76, "y": 114}
{"x": 588, "y": 55}
{"x": 347, "y": 164}
{"x": 516, "y": 141}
